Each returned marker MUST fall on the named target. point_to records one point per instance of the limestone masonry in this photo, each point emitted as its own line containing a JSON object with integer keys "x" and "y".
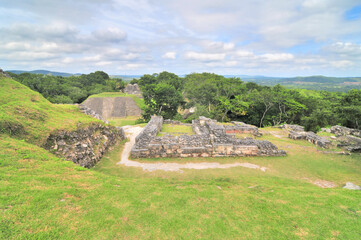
{"x": 113, "y": 107}
{"x": 297, "y": 132}
{"x": 86, "y": 145}
{"x": 211, "y": 139}
{"x": 132, "y": 89}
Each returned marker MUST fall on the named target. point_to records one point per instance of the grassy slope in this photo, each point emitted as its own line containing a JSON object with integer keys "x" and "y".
{"x": 26, "y": 113}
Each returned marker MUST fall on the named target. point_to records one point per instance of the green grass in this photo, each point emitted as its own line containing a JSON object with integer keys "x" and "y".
{"x": 43, "y": 197}
{"x": 137, "y": 100}
{"x": 120, "y": 122}
{"x": 27, "y": 114}
{"x": 175, "y": 130}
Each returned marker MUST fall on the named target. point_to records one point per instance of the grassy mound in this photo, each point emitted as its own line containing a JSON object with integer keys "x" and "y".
{"x": 27, "y": 114}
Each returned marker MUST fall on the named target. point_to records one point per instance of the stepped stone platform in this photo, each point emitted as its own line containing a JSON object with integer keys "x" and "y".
{"x": 113, "y": 107}
{"x": 211, "y": 140}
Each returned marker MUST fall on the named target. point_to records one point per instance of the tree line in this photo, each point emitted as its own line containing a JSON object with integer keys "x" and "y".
{"x": 231, "y": 99}
{"x": 73, "y": 89}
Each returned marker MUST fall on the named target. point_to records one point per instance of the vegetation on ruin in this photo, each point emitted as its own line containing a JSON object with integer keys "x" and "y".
{"x": 175, "y": 130}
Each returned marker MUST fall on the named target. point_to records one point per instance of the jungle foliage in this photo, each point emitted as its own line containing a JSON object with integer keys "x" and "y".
{"x": 73, "y": 89}
{"x": 231, "y": 99}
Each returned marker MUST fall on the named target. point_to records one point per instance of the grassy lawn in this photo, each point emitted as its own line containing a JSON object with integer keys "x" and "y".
{"x": 120, "y": 122}
{"x": 44, "y": 197}
{"x": 176, "y": 130}
{"x": 137, "y": 100}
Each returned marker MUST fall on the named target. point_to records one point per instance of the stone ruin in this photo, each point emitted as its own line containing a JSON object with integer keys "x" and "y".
{"x": 297, "y": 132}
{"x": 211, "y": 139}
{"x": 350, "y": 139}
{"x": 112, "y": 107}
{"x": 344, "y": 131}
{"x": 4, "y": 74}
{"x": 132, "y": 89}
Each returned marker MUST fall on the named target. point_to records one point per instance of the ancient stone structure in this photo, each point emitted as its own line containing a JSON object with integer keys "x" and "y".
{"x": 344, "y": 131}
{"x": 296, "y": 128}
{"x": 112, "y": 107}
{"x": 241, "y": 127}
{"x": 84, "y": 109}
{"x": 86, "y": 145}
{"x": 297, "y": 132}
{"x": 132, "y": 89}
{"x": 211, "y": 140}
{"x": 311, "y": 137}
{"x": 174, "y": 122}
{"x": 350, "y": 139}
{"x": 4, "y": 74}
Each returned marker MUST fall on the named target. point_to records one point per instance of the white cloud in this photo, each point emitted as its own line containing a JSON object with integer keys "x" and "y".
{"x": 205, "y": 56}
{"x": 276, "y": 57}
{"x": 109, "y": 35}
{"x": 275, "y": 37}
{"x": 170, "y": 55}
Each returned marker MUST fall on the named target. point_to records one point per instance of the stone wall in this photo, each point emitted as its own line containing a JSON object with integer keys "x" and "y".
{"x": 86, "y": 145}
{"x": 211, "y": 140}
{"x": 4, "y": 74}
{"x": 174, "y": 122}
{"x": 349, "y": 138}
{"x": 113, "y": 107}
{"x": 311, "y": 137}
{"x": 241, "y": 127}
{"x": 344, "y": 131}
{"x": 86, "y": 110}
{"x": 132, "y": 89}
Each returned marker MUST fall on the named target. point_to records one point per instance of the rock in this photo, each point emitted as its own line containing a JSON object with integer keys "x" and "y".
{"x": 311, "y": 137}
{"x": 295, "y": 128}
{"x": 351, "y": 186}
{"x": 132, "y": 89}
{"x": 4, "y": 74}
{"x": 344, "y": 131}
{"x": 84, "y": 146}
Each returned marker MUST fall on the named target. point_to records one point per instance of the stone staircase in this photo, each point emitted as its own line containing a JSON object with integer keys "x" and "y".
{"x": 113, "y": 107}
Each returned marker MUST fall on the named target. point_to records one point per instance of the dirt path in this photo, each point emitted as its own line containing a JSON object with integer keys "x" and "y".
{"x": 133, "y": 131}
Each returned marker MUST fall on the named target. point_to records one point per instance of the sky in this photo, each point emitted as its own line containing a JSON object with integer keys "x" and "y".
{"x": 230, "y": 37}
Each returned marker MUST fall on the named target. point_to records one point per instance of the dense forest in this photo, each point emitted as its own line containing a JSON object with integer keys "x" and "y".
{"x": 231, "y": 99}
{"x": 214, "y": 96}
{"x": 72, "y": 89}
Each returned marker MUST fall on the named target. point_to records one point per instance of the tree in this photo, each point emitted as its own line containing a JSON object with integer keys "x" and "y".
{"x": 162, "y": 95}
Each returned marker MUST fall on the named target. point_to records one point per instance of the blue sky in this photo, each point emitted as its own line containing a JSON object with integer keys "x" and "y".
{"x": 254, "y": 37}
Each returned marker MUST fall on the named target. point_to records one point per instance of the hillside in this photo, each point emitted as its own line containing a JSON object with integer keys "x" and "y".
{"x": 333, "y": 84}
{"x": 27, "y": 114}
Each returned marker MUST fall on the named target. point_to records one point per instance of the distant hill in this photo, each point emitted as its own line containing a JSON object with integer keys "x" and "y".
{"x": 45, "y": 72}
{"x": 333, "y": 84}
